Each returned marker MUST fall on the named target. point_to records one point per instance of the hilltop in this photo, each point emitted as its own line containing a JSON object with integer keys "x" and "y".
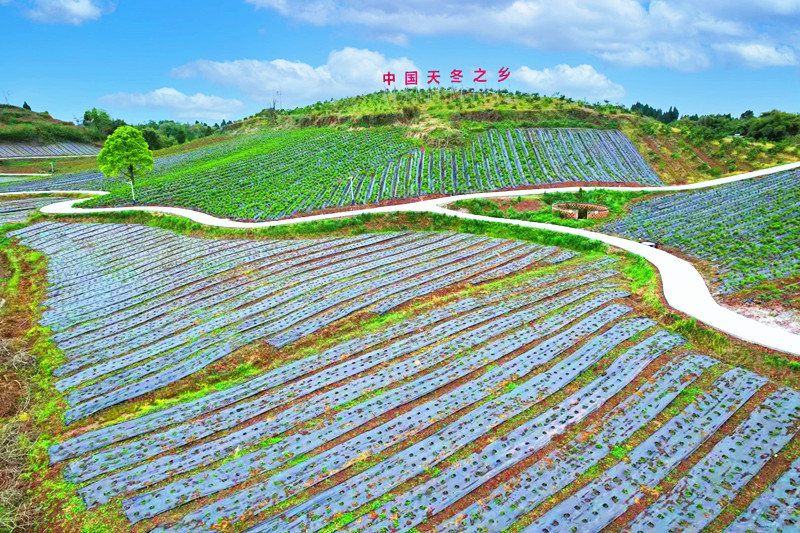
{"x": 397, "y": 146}
{"x": 690, "y": 149}
{"x": 18, "y": 124}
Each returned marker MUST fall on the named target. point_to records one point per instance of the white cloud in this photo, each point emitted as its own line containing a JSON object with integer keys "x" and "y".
{"x": 582, "y": 82}
{"x": 353, "y": 71}
{"x": 346, "y": 72}
{"x": 677, "y": 34}
{"x": 757, "y": 55}
{"x": 662, "y": 54}
{"x": 74, "y": 12}
{"x": 180, "y": 106}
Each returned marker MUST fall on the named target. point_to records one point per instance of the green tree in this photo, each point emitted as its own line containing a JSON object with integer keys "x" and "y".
{"x": 100, "y": 123}
{"x": 152, "y": 138}
{"x": 26, "y": 106}
{"x": 124, "y": 152}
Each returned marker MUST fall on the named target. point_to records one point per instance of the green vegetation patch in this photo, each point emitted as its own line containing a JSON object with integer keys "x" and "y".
{"x": 616, "y": 201}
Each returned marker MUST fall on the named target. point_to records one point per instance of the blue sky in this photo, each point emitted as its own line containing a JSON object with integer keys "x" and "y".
{"x": 210, "y": 60}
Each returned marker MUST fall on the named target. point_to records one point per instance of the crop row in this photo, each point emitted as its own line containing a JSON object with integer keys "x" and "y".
{"x": 448, "y": 486}
{"x": 47, "y": 150}
{"x": 248, "y": 465}
{"x": 521, "y": 494}
{"x": 284, "y": 173}
{"x": 776, "y": 508}
{"x": 288, "y": 291}
{"x": 19, "y": 210}
{"x": 597, "y": 504}
{"x": 750, "y": 229}
{"x": 727, "y": 468}
{"x": 229, "y": 417}
{"x": 96, "y": 439}
{"x": 395, "y": 431}
{"x": 392, "y": 428}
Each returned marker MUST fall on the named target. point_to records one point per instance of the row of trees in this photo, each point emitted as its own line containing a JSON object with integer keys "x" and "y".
{"x": 161, "y": 134}
{"x": 772, "y": 126}
{"x": 166, "y": 133}
{"x": 670, "y": 115}
{"x": 775, "y": 126}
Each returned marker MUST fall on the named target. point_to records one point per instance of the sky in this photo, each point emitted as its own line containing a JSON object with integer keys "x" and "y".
{"x": 213, "y": 60}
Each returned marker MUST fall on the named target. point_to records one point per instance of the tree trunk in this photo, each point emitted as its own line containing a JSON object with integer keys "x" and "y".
{"x": 133, "y": 194}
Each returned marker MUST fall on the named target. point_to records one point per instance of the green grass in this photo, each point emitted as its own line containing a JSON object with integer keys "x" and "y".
{"x": 778, "y": 361}
{"x": 619, "y": 452}
{"x": 616, "y": 201}
{"x": 54, "y": 501}
{"x": 368, "y": 222}
{"x": 20, "y": 125}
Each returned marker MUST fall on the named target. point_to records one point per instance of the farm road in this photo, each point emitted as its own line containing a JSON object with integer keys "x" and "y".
{"x": 684, "y": 287}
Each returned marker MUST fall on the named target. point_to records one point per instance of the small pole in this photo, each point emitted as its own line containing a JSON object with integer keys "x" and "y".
{"x": 352, "y": 192}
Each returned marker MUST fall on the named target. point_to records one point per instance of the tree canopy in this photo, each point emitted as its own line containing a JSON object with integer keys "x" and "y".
{"x": 666, "y": 117}
{"x": 152, "y": 138}
{"x": 124, "y": 153}
{"x": 100, "y": 123}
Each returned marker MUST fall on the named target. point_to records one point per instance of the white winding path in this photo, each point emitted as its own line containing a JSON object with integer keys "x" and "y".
{"x": 18, "y": 174}
{"x": 684, "y": 287}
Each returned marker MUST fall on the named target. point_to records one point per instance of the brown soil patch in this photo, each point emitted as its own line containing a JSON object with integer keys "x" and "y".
{"x": 525, "y": 206}
{"x": 529, "y": 205}
{"x": 5, "y": 268}
{"x": 11, "y": 391}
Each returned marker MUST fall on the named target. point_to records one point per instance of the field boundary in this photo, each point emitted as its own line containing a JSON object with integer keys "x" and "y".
{"x": 23, "y": 157}
{"x": 684, "y": 288}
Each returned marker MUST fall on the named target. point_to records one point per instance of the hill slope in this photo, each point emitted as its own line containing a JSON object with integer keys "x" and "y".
{"x": 19, "y": 125}
{"x": 688, "y": 149}
{"x": 393, "y": 146}
{"x": 293, "y": 384}
{"x": 290, "y": 172}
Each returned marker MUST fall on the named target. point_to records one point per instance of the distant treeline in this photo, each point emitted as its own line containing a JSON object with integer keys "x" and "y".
{"x": 772, "y": 126}
{"x": 22, "y": 124}
{"x": 671, "y": 115}
{"x": 162, "y": 134}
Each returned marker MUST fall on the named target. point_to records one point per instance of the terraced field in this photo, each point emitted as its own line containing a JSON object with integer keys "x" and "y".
{"x": 284, "y": 173}
{"x": 26, "y": 150}
{"x": 19, "y": 210}
{"x": 225, "y": 295}
{"x": 508, "y": 385}
{"x": 749, "y": 230}
{"x": 96, "y": 181}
